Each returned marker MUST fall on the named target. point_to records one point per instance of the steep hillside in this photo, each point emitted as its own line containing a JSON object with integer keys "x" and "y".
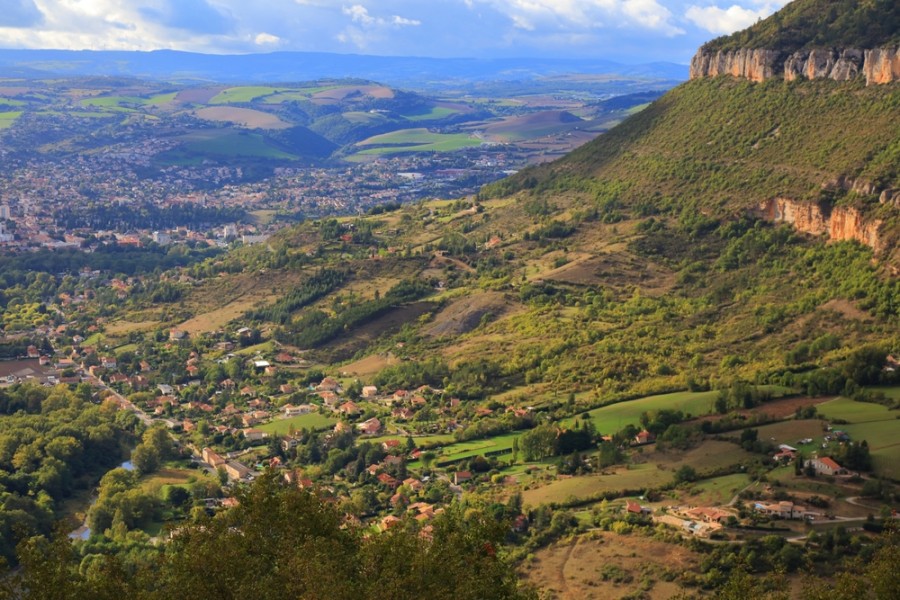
{"x": 732, "y": 147}
{"x": 812, "y": 39}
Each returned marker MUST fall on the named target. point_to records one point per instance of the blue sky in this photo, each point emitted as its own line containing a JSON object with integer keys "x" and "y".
{"x": 626, "y": 30}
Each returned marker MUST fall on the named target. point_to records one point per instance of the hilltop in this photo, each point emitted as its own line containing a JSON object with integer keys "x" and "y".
{"x": 811, "y": 39}
{"x": 809, "y": 24}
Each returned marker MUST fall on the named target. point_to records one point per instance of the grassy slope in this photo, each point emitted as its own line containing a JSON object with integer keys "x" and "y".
{"x": 729, "y": 144}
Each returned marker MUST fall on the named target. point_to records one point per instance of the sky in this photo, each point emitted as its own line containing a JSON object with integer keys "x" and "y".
{"x": 631, "y": 31}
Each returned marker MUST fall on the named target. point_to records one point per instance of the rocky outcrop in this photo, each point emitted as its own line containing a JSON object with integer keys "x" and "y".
{"x": 755, "y": 65}
{"x": 879, "y": 66}
{"x": 840, "y": 224}
{"x": 842, "y": 65}
{"x": 882, "y": 65}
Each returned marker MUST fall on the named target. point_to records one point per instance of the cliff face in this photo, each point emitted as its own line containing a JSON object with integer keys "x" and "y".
{"x": 881, "y": 65}
{"x": 842, "y": 224}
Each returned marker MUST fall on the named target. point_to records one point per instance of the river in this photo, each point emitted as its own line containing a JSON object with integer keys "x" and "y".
{"x": 84, "y": 532}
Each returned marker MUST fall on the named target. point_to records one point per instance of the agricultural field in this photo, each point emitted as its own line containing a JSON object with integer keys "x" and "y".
{"x": 851, "y": 411}
{"x": 477, "y": 447}
{"x": 222, "y": 144}
{"x": 308, "y": 421}
{"x": 874, "y": 423}
{"x": 436, "y": 113}
{"x": 244, "y": 117}
{"x": 716, "y": 491}
{"x": 244, "y": 94}
{"x": 129, "y": 102}
{"x": 532, "y": 126}
{"x": 639, "y": 477}
{"x": 792, "y": 431}
{"x": 649, "y": 469}
{"x": 416, "y": 140}
{"x": 8, "y": 118}
{"x": 613, "y": 418}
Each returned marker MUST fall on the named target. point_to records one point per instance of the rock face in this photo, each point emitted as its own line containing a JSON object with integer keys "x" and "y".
{"x": 755, "y": 65}
{"x": 881, "y": 65}
{"x": 843, "y": 223}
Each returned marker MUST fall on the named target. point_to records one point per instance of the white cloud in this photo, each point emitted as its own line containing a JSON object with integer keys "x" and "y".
{"x": 652, "y": 15}
{"x": 585, "y": 15}
{"x": 367, "y": 29}
{"x": 629, "y": 30}
{"x": 728, "y": 20}
{"x": 263, "y": 39}
{"x": 403, "y": 21}
{"x": 359, "y": 14}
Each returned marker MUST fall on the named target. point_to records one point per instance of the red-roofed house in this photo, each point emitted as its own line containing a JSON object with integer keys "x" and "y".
{"x": 371, "y": 427}
{"x": 644, "y": 437}
{"x": 826, "y": 466}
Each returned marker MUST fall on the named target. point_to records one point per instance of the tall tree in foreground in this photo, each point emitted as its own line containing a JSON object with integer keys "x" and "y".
{"x": 281, "y": 542}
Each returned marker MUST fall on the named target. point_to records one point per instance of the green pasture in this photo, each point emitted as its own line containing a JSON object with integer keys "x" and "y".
{"x": 613, "y": 418}
{"x": 437, "y": 112}
{"x": 312, "y": 420}
{"x": 852, "y": 411}
{"x": 576, "y": 488}
{"x": 478, "y": 447}
{"x": 791, "y": 432}
{"x": 8, "y": 118}
{"x": 416, "y": 140}
{"x": 363, "y": 117}
{"x": 223, "y": 143}
{"x": 719, "y": 490}
{"x": 418, "y": 439}
{"x": 874, "y": 423}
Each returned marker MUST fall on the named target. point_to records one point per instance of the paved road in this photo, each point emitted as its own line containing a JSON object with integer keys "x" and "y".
{"x": 128, "y": 405}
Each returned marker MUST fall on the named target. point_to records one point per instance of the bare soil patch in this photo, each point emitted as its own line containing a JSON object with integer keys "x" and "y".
{"x": 615, "y": 270}
{"x": 465, "y": 314}
{"x": 245, "y": 117}
{"x": 125, "y": 327}
{"x": 607, "y": 565}
{"x": 342, "y": 93}
{"x": 370, "y": 365}
{"x": 197, "y": 95}
{"x": 847, "y": 309}
{"x": 346, "y": 346}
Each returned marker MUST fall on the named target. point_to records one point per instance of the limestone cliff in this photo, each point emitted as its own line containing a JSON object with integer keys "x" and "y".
{"x": 879, "y": 65}
{"x": 840, "y": 224}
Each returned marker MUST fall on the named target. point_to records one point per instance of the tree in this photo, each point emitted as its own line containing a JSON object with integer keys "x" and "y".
{"x": 685, "y": 474}
{"x": 145, "y": 459}
{"x": 177, "y": 496}
{"x": 282, "y": 542}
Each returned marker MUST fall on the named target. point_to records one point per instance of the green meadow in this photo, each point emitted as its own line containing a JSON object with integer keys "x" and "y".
{"x": 309, "y": 421}
{"x": 416, "y": 140}
{"x": 612, "y": 418}
{"x": 437, "y": 112}
{"x": 8, "y": 118}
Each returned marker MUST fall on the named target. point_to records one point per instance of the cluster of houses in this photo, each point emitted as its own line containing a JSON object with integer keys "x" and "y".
{"x": 786, "y": 510}
{"x": 236, "y": 471}
{"x": 699, "y": 521}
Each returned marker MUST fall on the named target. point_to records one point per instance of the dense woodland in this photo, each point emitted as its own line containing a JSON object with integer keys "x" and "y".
{"x": 53, "y": 443}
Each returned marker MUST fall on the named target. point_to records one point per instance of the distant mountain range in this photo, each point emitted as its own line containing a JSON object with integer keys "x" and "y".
{"x": 183, "y": 67}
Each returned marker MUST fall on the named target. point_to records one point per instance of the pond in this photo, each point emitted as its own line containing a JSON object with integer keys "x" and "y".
{"x": 84, "y": 532}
